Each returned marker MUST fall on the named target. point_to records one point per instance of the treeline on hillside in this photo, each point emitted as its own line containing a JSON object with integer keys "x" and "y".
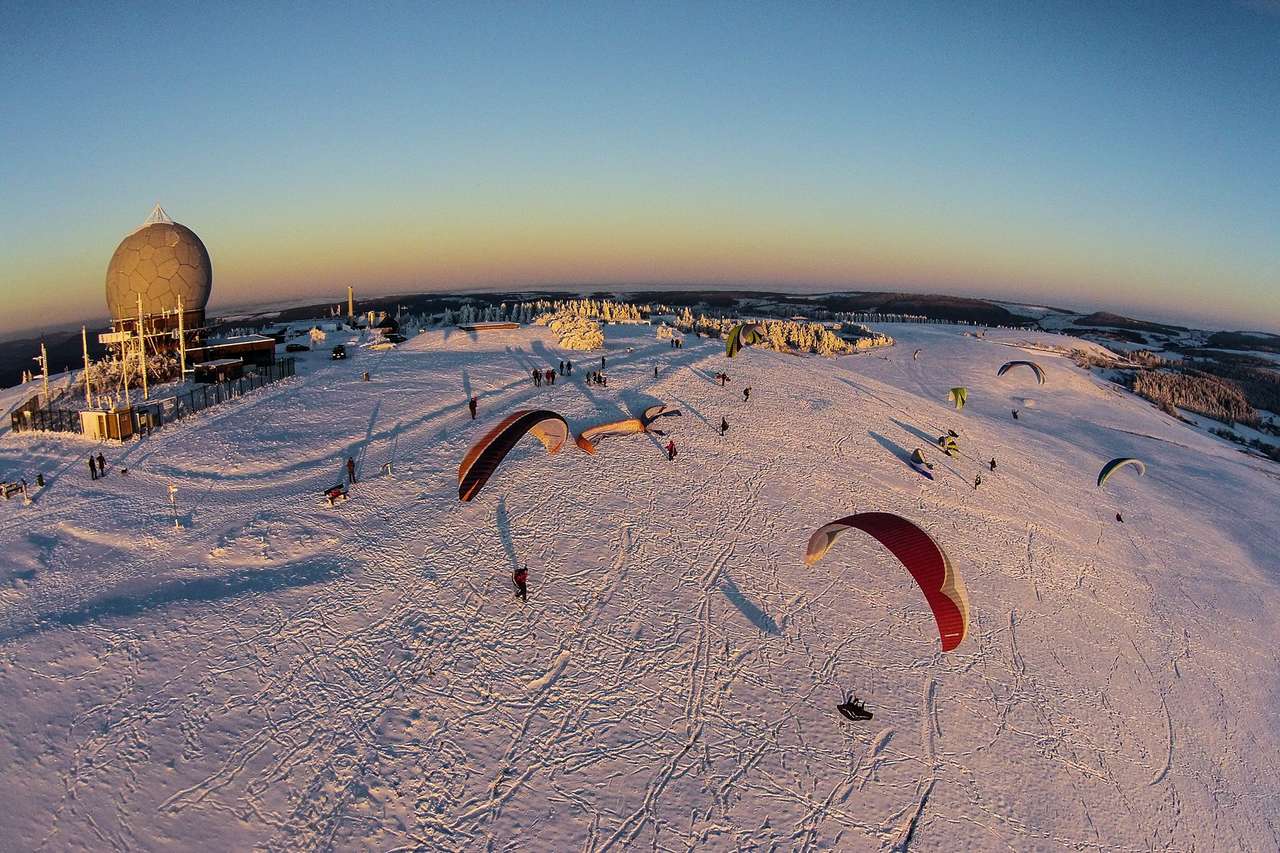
{"x": 1196, "y": 392}
{"x": 1257, "y": 379}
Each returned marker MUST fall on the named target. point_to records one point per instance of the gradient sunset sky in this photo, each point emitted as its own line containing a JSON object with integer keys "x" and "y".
{"x": 1093, "y": 155}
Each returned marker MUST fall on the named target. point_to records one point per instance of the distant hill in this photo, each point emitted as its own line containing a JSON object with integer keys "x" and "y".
{"x": 1116, "y": 321}
{"x": 1259, "y": 341}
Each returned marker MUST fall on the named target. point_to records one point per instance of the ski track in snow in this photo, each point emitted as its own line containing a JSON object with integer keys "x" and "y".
{"x": 280, "y": 675}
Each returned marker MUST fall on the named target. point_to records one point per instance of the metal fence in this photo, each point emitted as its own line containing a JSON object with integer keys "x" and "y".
{"x": 154, "y": 414}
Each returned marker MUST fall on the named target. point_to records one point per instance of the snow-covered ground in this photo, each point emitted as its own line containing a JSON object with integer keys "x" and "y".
{"x": 283, "y": 675}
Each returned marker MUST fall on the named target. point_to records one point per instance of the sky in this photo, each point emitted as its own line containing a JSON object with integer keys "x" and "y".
{"x": 1123, "y": 156}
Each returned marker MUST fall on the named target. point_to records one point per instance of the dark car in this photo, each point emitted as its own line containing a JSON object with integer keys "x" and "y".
{"x": 339, "y": 352}
{"x": 296, "y": 348}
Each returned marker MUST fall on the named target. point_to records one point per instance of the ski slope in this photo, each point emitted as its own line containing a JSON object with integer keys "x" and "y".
{"x": 281, "y": 675}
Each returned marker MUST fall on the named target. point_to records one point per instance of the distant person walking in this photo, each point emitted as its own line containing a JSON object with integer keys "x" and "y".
{"x": 537, "y": 378}
{"x": 102, "y": 466}
{"x": 671, "y": 450}
{"x": 724, "y": 425}
{"x": 562, "y": 368}
{"x": 1119, "y": 518}
{"x": 351, "y": 471}
{"x": 993, "y": 463}
{"x": 520, "y": 577}
{"x": 977, "y": 481}
{"x": 93, "y": 469}
{"x": 746, "y": 394}
{"x": 655, "y": 371}
{"x": 602, "y": 362}
{"x": 568, "y": 366}
{"x": 1015, "y": 414}
{"x": 471, "y": 404}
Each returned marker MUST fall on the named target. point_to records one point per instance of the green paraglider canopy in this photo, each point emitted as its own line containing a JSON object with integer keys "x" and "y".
{"x": 1116, "y": 464}
{"x": 743, "y": 335}
{"x": 958, "y": 395}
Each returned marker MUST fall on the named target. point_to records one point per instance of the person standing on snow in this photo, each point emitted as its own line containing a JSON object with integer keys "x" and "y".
{"x": 93, "y": 469}
{"x": 562, "y": 368}
{"x": 520, "y": 577}
{"x": 568, "y": 365}
{"x": 102, "y": 466}
{"x": 602, "y": 362}
{"x": 655, "y": 371}
{"x": 977, "y": 481}
{"x": 471, "y": 404}
{"x": 1015, "y": 414}
{"x": 351, "y": 471}
{"x": 537, "y": 378}
{"x": 746, "y": 394}
{"x": 671, "y": 450}
{"x": 993, "y": 463}
{"x": 724, "y": 425}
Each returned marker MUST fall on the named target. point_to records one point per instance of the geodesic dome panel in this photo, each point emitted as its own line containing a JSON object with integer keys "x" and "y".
{"x": 160, "y": 262}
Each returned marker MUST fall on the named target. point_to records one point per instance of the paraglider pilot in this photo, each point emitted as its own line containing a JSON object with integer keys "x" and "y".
{"x": 854, "y": 709}
{"x": 521, "y": 579}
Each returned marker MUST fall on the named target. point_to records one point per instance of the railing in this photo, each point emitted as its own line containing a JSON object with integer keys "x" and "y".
{"x": 154, "y": 414}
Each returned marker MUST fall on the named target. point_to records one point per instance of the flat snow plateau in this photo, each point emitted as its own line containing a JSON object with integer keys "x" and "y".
{"x": 282, "y": 675}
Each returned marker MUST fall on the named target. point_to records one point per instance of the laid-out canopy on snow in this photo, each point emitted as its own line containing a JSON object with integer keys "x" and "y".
{"x": 1116, "y": 464}
{"x": 920, "y": 464}
{"x": 743, "y": 335}
{"x": 1035, "y": 368}
{"x": 958, "y": 395}
{"x": 487, "y": 454}
{"x": 922, "y": 557}
{"x": 660, "y": 410}
{"x": 592, "y": 436}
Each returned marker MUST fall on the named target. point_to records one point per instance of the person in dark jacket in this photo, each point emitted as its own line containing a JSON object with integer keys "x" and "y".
{"x": 102, "y": 466}
{"x": 93, "y": 469}
{"x": 568, "y": 365}
{"x": 724, "y": 425}
{"x": 1015, "y": 414}
{"x": 655, "y": 371}
{"x": 521, "y": 579}
{"x": 471, "y": 404}
{"x": 993, "y": 463}
{"x": 602, "y": 362}
{"x": 351, "y": 470}
{"x": 746, "y": 394}
{"x": 562, "y": 368}
{"x": 537, "y": 378}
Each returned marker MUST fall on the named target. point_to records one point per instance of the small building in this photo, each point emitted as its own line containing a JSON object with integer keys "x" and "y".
{"x": 218, "y": 370}
{"x": 115, "y": 424}
{"x": 488, "y": 327}
{"x": 252, "y": 349}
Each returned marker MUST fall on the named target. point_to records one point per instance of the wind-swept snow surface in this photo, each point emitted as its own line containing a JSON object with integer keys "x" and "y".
{"x": 279, "y": 674}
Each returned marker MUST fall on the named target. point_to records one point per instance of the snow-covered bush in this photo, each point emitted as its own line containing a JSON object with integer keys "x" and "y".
{"x": 574, "y": 332}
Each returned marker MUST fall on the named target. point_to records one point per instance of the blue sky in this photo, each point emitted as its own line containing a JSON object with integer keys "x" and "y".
{"x": 1097, "y": 155}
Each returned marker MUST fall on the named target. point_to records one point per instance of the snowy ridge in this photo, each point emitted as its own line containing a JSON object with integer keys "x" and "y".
{"x": 278, "y": 674}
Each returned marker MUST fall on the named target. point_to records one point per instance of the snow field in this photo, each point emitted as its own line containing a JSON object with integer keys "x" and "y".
{"x": 281, "y": 675}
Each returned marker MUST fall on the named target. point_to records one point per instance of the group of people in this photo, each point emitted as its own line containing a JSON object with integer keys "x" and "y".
{"x": 597, "y": 377}
{"x": 548, "y": 376}
{"x": 676, "y": 343}
{"x": 97, "y": 466}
